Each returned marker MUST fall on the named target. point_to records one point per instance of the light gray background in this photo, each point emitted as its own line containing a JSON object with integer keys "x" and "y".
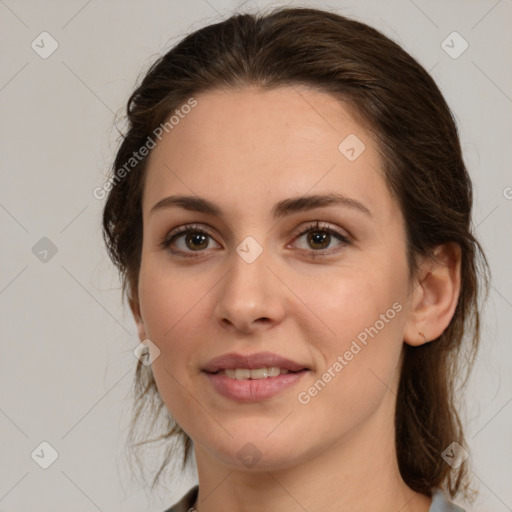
{"x": 67, "y": 362}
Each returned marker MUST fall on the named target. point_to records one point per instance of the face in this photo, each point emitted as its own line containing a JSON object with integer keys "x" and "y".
{"x": 313, "y": 289}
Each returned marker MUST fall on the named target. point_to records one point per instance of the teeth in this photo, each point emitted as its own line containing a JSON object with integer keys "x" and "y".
{"x": 256, "y": 373}
{"x": 274, "y": 371}
{"x": 242, "y": 374}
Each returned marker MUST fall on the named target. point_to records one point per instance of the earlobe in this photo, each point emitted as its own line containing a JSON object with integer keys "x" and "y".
{"x": 435, "y": 295}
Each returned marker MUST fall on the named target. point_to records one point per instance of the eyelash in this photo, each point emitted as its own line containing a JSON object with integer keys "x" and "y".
{"x": 198, "y": 230}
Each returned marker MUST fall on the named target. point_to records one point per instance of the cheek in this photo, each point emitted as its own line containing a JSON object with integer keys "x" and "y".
{"x": 365, "y": 311}
{"x": 356, "y": 299}
{"x": 359, "y": 362}
{"x": 171, "y": 306}
{"x": 167, "y": 298}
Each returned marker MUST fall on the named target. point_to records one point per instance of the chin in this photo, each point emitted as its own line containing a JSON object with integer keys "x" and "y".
{"x": 252, "y": 450}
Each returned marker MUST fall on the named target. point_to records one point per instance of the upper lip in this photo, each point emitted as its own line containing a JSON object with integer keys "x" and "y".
{"x": 251, "y": 361}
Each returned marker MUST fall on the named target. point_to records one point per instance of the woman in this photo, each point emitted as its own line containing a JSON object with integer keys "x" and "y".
{"x": 290, "y": 213}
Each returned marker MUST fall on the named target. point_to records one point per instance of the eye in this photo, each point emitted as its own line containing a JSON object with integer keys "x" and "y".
{"x": 319, "y": 238}
{"x": 187, "y": 239}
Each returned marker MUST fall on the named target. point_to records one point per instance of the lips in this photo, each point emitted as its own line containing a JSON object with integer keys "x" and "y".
{"x": 233, "y": 361}
{"x": 253, "y": 377}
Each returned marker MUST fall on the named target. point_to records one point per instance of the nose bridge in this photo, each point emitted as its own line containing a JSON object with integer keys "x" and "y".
{"x": 249, "y": 291}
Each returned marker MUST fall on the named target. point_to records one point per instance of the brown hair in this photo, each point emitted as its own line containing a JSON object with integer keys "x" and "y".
{"x": 422, "y": 165}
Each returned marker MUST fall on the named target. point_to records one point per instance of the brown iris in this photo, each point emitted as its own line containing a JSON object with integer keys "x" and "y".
{"x": 319, "y": 237}
{"x": 196, "y": 241}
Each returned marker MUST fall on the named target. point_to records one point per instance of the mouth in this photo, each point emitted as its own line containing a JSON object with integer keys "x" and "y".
{"x": 253, "y": 378}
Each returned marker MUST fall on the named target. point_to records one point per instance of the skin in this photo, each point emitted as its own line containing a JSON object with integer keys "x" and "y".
{"x": 245, "y": 150}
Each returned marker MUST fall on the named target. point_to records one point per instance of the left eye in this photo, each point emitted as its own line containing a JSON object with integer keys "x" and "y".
{"x": 320, "y": 237}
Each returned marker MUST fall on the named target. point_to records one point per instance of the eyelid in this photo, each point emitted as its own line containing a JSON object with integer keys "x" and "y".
{"x": 322, "y": 226}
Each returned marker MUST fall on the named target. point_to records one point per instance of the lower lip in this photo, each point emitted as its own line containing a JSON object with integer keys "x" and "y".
{"x": 253, "y": 390}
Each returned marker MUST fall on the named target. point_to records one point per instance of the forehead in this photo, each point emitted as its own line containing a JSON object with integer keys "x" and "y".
{"x": 248, "y": 146}
{"x": 278, "y": 118}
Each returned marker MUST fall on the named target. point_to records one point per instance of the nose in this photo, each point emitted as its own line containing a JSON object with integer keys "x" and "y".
{"x": 250, "y": 297}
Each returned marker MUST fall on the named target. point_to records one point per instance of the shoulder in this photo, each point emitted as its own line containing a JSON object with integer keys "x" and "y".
{"x": 441, "y": 504}
{"x": 186, "y": 502}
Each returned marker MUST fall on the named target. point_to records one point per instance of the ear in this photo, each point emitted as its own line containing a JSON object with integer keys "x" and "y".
{"x": 135, "y": 308}
{"x": 435, "y": 295}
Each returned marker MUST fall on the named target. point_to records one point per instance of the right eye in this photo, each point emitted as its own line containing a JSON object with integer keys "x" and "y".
{"x": 187, "y": 239}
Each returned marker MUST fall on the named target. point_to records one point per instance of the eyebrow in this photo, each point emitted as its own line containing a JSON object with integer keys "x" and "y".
{"x": 280, "y": 210}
